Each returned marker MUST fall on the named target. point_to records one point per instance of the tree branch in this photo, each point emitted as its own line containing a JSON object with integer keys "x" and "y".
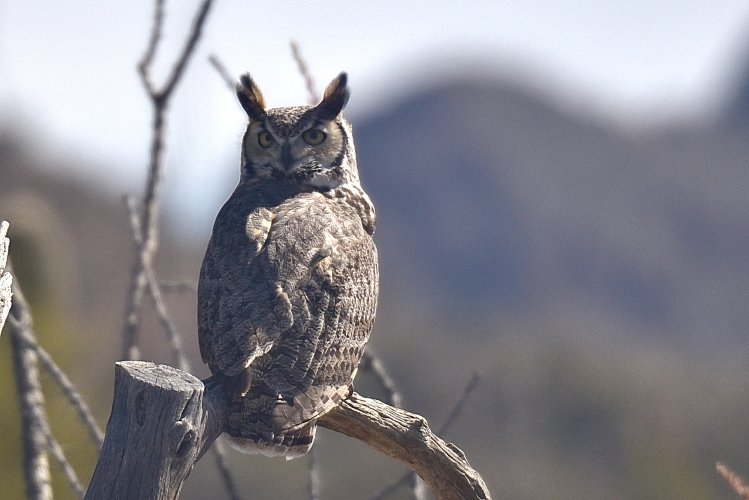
{"x": 160, "y": 100}
{"x": 161, "y": 423}
{"x": 31, "y": 400}
{"x": 75, "y": 398}
{"x": 155, "y": 290}
{"x": 406, "y": 437}
{"x": 222, "y": 71}
{"x": 6, "y": 279}
{"x": 62, "y": 460}
{"x": 371, "y": 363}
{"x": 387, "y": 491}
{"x": 163, "y": 420}
{"x": 303, "y": 68}
{"x": 733, "y": 480}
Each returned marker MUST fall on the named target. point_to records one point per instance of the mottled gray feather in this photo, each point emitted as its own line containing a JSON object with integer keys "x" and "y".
{"x": 287, "y": 297}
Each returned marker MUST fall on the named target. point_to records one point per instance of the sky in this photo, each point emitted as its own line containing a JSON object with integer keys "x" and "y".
{"x": 67, "y": 69}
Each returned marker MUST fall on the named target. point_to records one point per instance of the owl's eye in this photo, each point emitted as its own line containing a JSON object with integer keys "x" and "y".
{"x": 265, "y": 139}
{"x": 313, "y": 137}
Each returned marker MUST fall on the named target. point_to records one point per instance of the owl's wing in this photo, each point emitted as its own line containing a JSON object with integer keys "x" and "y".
{"x": 314, "y": 364}
{"x": 236, "y": 302}
{"x": 296, "y": 310}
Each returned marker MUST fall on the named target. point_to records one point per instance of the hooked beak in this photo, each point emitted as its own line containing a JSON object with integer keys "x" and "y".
{"x": 287, "y": 160}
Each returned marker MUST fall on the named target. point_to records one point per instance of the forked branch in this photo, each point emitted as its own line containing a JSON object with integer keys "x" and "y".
{"x": 146, "y": 248}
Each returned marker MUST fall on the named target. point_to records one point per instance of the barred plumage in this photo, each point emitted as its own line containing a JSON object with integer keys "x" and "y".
{"x": 288, "y": 286}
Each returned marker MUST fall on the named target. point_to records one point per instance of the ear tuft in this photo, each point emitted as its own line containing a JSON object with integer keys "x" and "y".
{"x": 251, "y": 98}
{"x": 336, "y": 96}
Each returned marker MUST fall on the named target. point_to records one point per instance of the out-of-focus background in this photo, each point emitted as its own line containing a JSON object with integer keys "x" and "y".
{"x": 563, "y": 201}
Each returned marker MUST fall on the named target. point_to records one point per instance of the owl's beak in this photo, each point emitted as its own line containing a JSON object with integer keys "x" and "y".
{"x": 287, "y": 160}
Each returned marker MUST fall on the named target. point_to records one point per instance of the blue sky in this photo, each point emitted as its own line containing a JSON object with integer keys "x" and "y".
{"x": 67, "y": 69}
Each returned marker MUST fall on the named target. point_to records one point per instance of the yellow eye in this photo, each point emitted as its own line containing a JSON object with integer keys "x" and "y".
{"x": 313, "y": 137}
{"x": 265, "y": 139}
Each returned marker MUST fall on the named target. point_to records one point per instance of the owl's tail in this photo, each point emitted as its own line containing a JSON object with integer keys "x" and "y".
{"x": 291, "y": 444}
{"x": 253, "y": 424}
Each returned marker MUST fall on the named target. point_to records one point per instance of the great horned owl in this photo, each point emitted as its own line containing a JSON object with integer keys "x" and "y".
{"x": 288, "y": 286}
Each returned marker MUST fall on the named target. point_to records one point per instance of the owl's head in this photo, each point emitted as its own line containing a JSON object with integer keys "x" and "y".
{"x": 309, "y": 145}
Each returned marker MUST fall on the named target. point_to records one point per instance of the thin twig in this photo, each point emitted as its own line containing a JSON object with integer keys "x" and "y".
{"x": 153, "y": 42}
{"x": 30, "y": 398}
{"x": 6, "y": 279}
{"x": 734, "y": 480}
{"x": 222, "y": 71}
{"x": 149, "y": 219}
{"x": 62, "y": 460}
{"x": 458, "y": 407}
{"x": 187, "y": 51}
{"x": 223, "y": 468}
{"x": 314, "y": 98}
{"x": 175, "y": 340}
{"x": 409, "y": 477}
{"x": 371, "y": 363}
{"x": 71, "y": 393}
{"x": 314, "y": 472}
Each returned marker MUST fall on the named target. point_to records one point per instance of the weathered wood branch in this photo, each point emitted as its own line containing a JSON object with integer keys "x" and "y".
{"x": 164, "y": 419}
{"x": 5, "y": 278}
{"x": 161, "y": 423}
{"x": 160, "y": 98}
{"x": 406, "y": 437}
{"x": 34, "y": 425}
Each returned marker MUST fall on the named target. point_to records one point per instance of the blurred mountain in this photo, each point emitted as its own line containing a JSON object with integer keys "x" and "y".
{"x": 594, "y": 277}
{"x": 736, "y": 110}
{"x": 491, "y": 199}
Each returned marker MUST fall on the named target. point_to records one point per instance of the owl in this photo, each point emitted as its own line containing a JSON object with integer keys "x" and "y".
{"x": 288, "y": 286}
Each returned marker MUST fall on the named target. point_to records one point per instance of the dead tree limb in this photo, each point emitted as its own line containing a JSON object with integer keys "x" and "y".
{"x": 454, "y": 412}
{"x": 303, "y": 67}
{"x": 734, "y": 480}
{"x": 34, "y": 425}
{"x": 5, "y": 278}
{"x": 406, "y": 437}
{"x": 163, "y": 420}
{"x": 160, "y": 102}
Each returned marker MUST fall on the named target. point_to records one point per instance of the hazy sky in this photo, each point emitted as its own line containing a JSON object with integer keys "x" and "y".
{"x": 67, "y": 69}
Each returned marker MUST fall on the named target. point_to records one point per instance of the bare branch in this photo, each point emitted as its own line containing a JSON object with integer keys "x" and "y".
{"x": 734, "y": 480}
{"x": 72, "y": 394}
{"x": 222, "y": 71}
{"x": 149, "y": 232}
{"x": 145, "y": 227}
{"x": 67, "y": 469}
{"x": 314, "y": 98}
{"x": 187, "y": 51}
{"x": 6, "y": 279}
{"x": 314, "y": 472}
{"x": 416, "y": 487}
{"x": 407, "y": 437}
{"x": 371, "y": 363}
{"x": 165, "y": 318}
{"x": 458, "y": 407}
{"x": 154, "y": 433}
{"x": 175, "y": 340}
{"x": 144, "y": 66}
{"x": 30, "y": 398}
{"x": 223, "y": 468}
